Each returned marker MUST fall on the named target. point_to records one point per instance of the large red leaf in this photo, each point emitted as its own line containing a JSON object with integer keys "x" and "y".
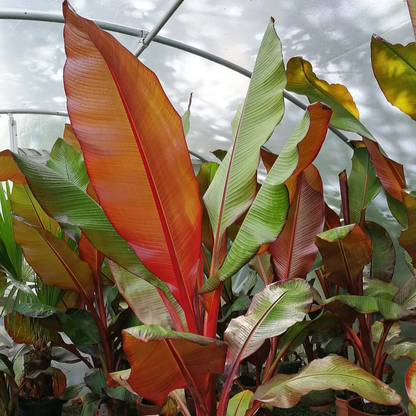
{"x": 345, "y": 251}
{"x": 410, "y": 383}
{"x": 294, "y": 250}
{"x": 407, "y": 238}
{"x": 8, "y": 169}
{"x": 136, "y": 155}
{"x": 390, "y": 173}
{"x": 162, "y": 361}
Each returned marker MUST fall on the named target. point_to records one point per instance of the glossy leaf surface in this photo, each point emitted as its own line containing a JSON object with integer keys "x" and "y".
{"x": 394, "y": 68}
{"x": 136, "y": 156}
{"x": 143, "y": 298}
{"x": 234, "y": 186}
{"x": 390, "y": 173}
{"x": 69, "y": 163}
{"x": 187, "y": 360}
{"x": 238, "y": 404}
{"x": 406, "y": 295}
{"x": 383, "y": 258}
{"x": 363, "y": 184}
{"x": 294, "y": 251}
{"x": 267, "y": 215}
{"x": 365, "y": 304}
{"x": 272, "y": 311}
{"x": 345, "y": 251}
{"x": 337, "y": 373}
{"x": 302, "y": 80}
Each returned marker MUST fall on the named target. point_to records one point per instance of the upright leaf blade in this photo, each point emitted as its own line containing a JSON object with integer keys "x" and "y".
{"x": 363, "y": 184}
{"x": 272, "y": 311}
{"x": 410, "y": 383}
{"x": 407, "y": 238}
{"x": 239, "y": 403}
{"x": 142, "y": 175}
{"x": 267, "y": 215}
{"x": 336, "y": 373}
{"x": 294, "y": 250}
{"x": 9, "y": 170}
{"x": 234, "y": 185}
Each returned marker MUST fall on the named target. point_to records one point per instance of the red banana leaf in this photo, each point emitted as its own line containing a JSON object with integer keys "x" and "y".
{"x": 294, "y": 250}
{"x": 162, "y": 361}
{"x": 407, "y": 238}
{"x": 390, "y": 173}
{"x": 136, "y": 156}
{"x": 410, "y": 383}
{"x": 345, "y": 251}
{"x": 9, "y": 170}
{"x": 70, "y": 138}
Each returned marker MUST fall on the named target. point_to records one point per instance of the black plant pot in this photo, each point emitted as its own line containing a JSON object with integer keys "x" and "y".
{"x": 43, "y": 408}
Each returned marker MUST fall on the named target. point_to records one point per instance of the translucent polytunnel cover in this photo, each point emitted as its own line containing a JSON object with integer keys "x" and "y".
{"x": 333, "y": 35}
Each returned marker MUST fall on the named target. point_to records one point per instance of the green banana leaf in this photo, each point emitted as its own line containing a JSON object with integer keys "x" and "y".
{"x": 234, "y": 185}
{"x": 267, "y": 215}
{"x": 336, "y": 373}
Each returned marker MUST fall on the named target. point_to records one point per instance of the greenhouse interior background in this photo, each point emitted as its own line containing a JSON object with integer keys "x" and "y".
{"x": 208, "y": 49}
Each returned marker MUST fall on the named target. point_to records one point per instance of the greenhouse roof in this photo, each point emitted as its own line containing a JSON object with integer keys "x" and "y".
{"x": 333, "y": 36}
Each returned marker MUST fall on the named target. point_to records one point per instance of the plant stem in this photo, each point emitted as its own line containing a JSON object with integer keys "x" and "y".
{"x": 263, "y": 274}
{"x": 323, "y": 284}
{"x": 387, "y": 327}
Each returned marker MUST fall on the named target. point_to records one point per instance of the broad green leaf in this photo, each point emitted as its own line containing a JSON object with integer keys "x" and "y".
{"x": 272, "y": 311}
{"x": 95, "y": 379}
{"x": 394, "y": 67}
{"x": 69, "y": 163}
{"x": 267, "y": 215}
{"x": 143, "y": 298}
{"x": 187, "y": 360}
{"x": 363, "y": 184}
{"x": 377, "y": 330}
{"x": 90, "y": 405}
{"x": 233, "y": 188}
{"x": 294, "y": 251}
{"x": 335, "y": 373}
{"x": 407, "y": 238}
{"x": 379, "y": 289}
{"x": 136, "y": 156}
{"x": 66, "y": 203}
{"x": 302, "y": 80}
{"x": 345, "y": 251}
{"x": 72, "y": 391}
{"x": 298, "y": 332}
{"x": 240, "y": 305}
{"x": 238, "y": 404}
{"x": 406, "y": 295}
{"x": 78, "y": 325}
{"x": 403, "y": 348}
{"x": 365, "y": 304}
{"x": 410, "y": 383}
{"x": 383, "y": 258}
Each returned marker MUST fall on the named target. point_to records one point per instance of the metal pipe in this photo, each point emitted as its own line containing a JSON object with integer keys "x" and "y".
{"x": 34, "y": 111}
{"x": 159, "y": 25}
{"x": 126, "y": 30}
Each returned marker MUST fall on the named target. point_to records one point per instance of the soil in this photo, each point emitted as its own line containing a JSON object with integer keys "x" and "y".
{"x": 376, "y": 409}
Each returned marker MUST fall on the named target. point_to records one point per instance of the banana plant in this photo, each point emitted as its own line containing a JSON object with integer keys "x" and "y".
{"x": 122, "y": 186}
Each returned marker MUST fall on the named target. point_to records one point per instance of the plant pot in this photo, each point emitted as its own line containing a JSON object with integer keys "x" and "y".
{"x": 325, "y": 408}
{"x": 341, "y": 404}
{"x": 354, "y": 405}
{"x": 148, "y": 409}
{"x": 42, "y": 408}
